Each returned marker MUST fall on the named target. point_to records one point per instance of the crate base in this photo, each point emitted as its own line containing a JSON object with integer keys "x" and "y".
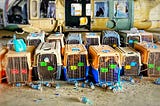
{"x": 58, "y": 74}
{"x": 3, "y": 76}
{"x": 97, "y": 79}
{"x": 66, "y": 78}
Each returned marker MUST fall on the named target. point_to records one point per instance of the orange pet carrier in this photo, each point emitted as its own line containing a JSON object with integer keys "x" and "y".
{"x": 3, "y": 51}
{"x": 105, "y": 63}
{"x": 150, "y": 55}
{"x": 75, "y": 62}
{"x": 19, "y": 65}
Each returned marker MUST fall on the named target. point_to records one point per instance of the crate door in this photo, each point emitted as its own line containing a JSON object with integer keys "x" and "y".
{"x": 108, "y": 69}
{"x": 131, "y": 65}
{"x": 47, "y": 66}
{"x": 34, "y": 42}
{"x": 76, "y": 66}
{"x": 154, "y": 64}
{"x": 17, "y": 69}
{"x": 91, "y": 41}
{"x": 111, "y": 41}
{"x": 133, "y": 39}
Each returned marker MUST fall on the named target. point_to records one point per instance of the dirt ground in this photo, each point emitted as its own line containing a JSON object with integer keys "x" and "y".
{"x": 142, "y": 93}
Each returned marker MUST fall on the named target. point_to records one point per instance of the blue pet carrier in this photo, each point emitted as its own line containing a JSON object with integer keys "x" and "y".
{"x": 76, "y": 64}
{"x": 105, "y": 64}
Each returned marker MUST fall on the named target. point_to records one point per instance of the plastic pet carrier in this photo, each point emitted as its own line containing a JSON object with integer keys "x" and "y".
{"x": 105, "y": 64}
{"x": 91, "y": 38}
{"x": 74, "y": 38}
{"x": 130, "y": 37}
{"x": 146, "y": 36}
{"x": 48, "y": 61}
{"x": 55, "y": 37}
{"x": 158, "y": 43}
{"x": 111, "y": 38}
{"x": 130, "y": 60}
{"x": 35, "y": 38}
{"x": 76, "y": 64}
{"x": 3, "y": 51}
{"x": 19, "y": 65}
{"x": 156, "y": 37}
{"x": 150, "y": 55}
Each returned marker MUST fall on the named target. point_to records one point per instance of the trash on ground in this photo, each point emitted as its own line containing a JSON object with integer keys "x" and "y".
{"x": 86, "y": 100}
{"x": 157, "y": 81}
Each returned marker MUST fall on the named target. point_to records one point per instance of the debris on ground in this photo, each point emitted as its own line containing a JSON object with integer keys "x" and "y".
{"x": 157, "y": 81}
{"x": 86, "y": 100}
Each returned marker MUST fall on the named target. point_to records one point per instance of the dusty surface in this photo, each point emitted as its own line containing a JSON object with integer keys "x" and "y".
{"x": 142, "y": 93}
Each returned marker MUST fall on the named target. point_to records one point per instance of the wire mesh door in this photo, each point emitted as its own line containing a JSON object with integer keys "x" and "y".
{"x": 73, "y": 41}
{"x": 111, "y": 41}
{"x": 131, "y": 65}
{"x": 17, "y": 69}
{"x": 55, "y": 40}
{"x": 154, "y": 64}
{"x": 133, "y": 39}
{"x": 92, "y": 41}
{"x": 76, "y": 66}
{"x": 108, "y": 69}
{"x": 47, "y": 66}
{"x": 34, "y": 42}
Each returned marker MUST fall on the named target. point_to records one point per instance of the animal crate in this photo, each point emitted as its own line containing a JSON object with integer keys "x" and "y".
{"x": 129, "y": 37}
{"x": 158, "y": 43}
{"x": 150, "y": 54}
{"x": 48, "y": 61}
{"x": 156, "y": 37}
{"x": 3, "y": 51}
{"x": 19, "y": 65}
{"x": 111, "y": 38}
{"x": 130, "y": 60}
{"x": 75, "y": 62}
{"x": 146, "y": 36}
{"x": 35, "y": 38}
{"x": 91, "y": 38}
{"x": 105, "y": 63}
{"x": 55, "y": 37}
{"x": 74, "y": 38}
